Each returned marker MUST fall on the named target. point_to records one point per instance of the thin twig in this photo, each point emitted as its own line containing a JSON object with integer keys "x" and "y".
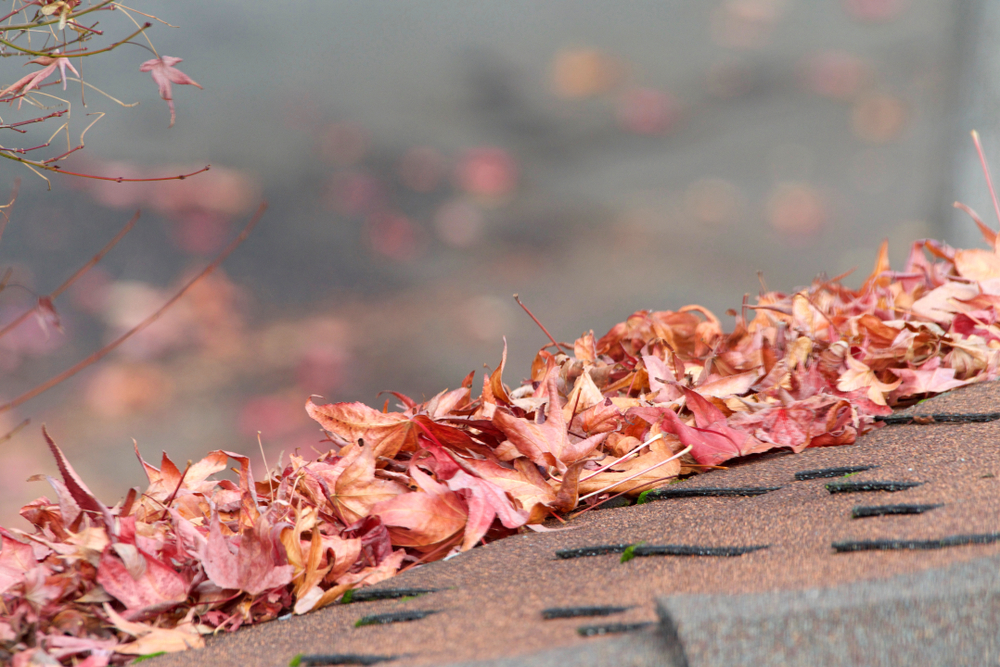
{"x": 73, "y": 278}
{"x": 638, "y": 474}
{"x": 29, "y": 26}
{"x": 119, "y": 179}
{"x": 540, "y": 325}
{"x": 618, "y": 460}
{"x": 7, "y": 208}
{"x": 11, "y": 433}
{"x": 82, "y": 54}
{"x": 104, "y": 351}
{"x": 986, "y": 171}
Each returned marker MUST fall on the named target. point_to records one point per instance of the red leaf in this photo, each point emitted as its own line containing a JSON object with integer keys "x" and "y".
{"x": 253, "y": 561}
{"x": 547, "y": 444}
{"x": 388, "y": 433}
{"x": 486, "y": 502}
{"x": 165, "y": 75}
{"x": 143, "y": 584}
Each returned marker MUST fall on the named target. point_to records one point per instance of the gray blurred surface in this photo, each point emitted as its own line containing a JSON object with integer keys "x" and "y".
{"x": 947, "y": 616}
{"x": 797, "y": 135}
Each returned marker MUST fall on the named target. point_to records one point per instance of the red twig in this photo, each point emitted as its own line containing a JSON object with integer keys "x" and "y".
{"x": 22, "y": 151}
{"x": 107, "y": 349}
{"x": 59, "y": 157}
{"x": 121, "y": 179}
{"x": 11, "y": 433}
{"x": 5, "y": 211}
{"x": 986, "y": 171}
{"x": 540, "y": 325}
{"x": 172, "y": 496}
{"x": 73, "y": 278}
{"x": 83, "y": 27}
{"x": 15, "y": 126}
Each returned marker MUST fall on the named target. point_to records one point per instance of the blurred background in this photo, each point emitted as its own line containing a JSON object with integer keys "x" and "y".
{"x": 425, "y": 161}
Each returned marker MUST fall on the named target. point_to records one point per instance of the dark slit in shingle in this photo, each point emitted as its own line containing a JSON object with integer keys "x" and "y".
{"x": 688, "y": 550}
{"x": 916, "y": 545}
{"x": 861, "y": 512}
{"x": 657, "y": 550}
{"x": 942, "y": 417}
{"x": 366, "y": 595}
{"x": 824, "y": 473}
{"x": 861, "y": 487}
{"x": 394, "y": 617}
{"x": 575, "y": 612}
{"x": 598, "y": 550}
{"x": 695, "y": 492}
{"x": 342, "y": 659}
{"x": 611, "y": 628}
{"x": 613, "y": 503}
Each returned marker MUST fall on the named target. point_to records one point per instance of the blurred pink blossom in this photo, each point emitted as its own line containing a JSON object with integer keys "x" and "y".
{"x": 875, "y": 10}
{"x": 646, "y": 111}
{"x": 343, "y": 143}
{"x": 352, "y": 193}
{"x": 394, "y": 236}
{"x": 836, "y": 74}
{"x": 422, "y": 168}
{"x": 488, "y": 172}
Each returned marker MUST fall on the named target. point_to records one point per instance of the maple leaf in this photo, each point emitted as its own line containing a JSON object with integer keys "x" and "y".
{"x": 26, "y": 83}
{"x": 16, "y": 559}
{"x": 729, "y": 385}
{"x": 818, "y": 420}
{"x": 308, "y": 571}
{"x": 486, "y": 501}
{"x": 139, "y": 581}
{"x": 547, "y": 444}
{"x": 584, "y": 394}
{"x": 712, "y": 440}
{"x": 353, "y": 488}
{"x": 638, "y": 473}
{"x": 151, "y": 639}
{"x": 661, "y": 379}
{"x": 389, "y": 433}
{"x": 524, "y": 483}
{"x": 449, "y": 402}
{"x": 859, "y": 376}
{"x": 928, "y": 379}
{"x": 253, "y": 561}
{"x": 83, "y": 497}
{"x": 165, "y": 75}
{"x": 168, "y": 479}
{"x": 423, "y": 519}
{"x": 941, "y": 303}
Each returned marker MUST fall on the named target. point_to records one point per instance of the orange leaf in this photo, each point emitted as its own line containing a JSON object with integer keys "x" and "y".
{"x": 389, "y": 433}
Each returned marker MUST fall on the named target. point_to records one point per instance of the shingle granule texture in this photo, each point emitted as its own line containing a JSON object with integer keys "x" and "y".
{"x": 490, "y": 600}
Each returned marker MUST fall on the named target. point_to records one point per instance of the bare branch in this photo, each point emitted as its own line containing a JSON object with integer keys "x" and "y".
{"x": 107, "y": 349}
{"x": 73, "y": 278}
{"x": 7, "y": 208}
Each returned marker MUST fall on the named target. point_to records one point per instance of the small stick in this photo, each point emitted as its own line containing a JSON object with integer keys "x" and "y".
{"x": 986, "y": 171}
{"x": 638, "y": 474}
{"x": 14, "y": 431}
{"x": 540, "y": 325}
{"x": 618, "y": 460}
{"x": 266, "y": 467}
{"x": 73, "y": 278}
{"x": 120, "y": 179}
{"x": 620, "y": 494}
{"x": 172, "y": 496}
{"x": 104, "y": 351}
{"x": 5, "y": 210}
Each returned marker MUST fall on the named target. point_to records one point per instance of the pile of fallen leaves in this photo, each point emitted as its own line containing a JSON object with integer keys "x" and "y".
{"x": 661, "y": 395}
